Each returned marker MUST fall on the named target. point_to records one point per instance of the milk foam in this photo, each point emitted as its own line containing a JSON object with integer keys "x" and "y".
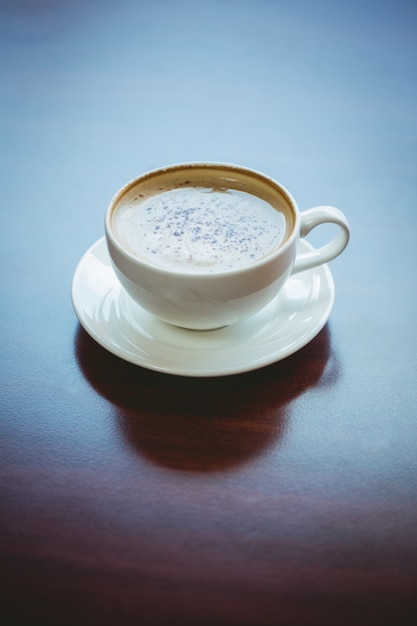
{"x": 196, "y": 229}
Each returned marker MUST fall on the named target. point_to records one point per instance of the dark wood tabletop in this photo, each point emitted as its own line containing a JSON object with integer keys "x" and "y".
{"x": 283, "y": 495}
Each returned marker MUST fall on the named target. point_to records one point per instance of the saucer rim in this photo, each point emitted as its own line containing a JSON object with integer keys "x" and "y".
{"x": 129, "y": 357}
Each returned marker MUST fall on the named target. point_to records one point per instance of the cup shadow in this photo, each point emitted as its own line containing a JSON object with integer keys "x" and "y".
{"x": 204, "y": 424}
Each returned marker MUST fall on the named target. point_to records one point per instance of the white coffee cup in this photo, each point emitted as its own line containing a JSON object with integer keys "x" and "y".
{"x": 197, "y": 293}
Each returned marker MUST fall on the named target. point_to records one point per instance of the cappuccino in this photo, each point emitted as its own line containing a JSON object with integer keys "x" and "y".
{"x": 198, "y": 229}
{"x": 206, "y": 245}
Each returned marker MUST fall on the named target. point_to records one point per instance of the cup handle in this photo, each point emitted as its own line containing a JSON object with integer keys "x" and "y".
{"x": 309, "y": 220}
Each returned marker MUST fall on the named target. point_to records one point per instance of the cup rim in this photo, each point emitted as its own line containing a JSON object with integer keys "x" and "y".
{"x": 264, "y": 260}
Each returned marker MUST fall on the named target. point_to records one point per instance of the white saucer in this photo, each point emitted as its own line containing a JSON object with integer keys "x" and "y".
{"x": 285, "y": 325}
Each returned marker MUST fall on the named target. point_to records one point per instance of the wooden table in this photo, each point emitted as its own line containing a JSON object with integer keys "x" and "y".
{"x": 285, "y": 495}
